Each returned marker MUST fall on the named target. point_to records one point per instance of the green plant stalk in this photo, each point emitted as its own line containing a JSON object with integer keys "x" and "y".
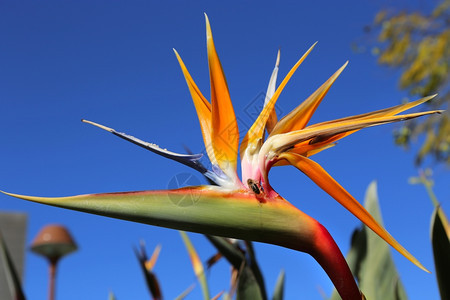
{"x": 428, "y": 184}
{"x": 429, "y": 187}
{"x": 230, "y": 214}
{"x": 278, "y": 294}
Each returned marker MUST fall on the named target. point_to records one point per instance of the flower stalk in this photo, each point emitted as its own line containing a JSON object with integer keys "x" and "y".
{"x": 236, "y": 215}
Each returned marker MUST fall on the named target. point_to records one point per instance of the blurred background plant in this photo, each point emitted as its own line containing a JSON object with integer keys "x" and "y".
{"x": 417, "y": 44}
{"x": 439, "y": 233}
{"x": 246, "y": 279}
{"x": 9, "y": 271}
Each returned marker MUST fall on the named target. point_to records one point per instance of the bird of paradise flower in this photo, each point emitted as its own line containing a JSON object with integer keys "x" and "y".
{"x": 249, "y": 208}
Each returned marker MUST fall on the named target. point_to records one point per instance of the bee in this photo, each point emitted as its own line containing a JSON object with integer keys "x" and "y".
{"x": 254, "y": 186}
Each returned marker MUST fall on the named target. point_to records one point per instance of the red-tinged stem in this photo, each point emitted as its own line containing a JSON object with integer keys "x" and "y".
{"x": 313, "y": 238}
{"x": 328, "y": 255}
{"x": 322, "y": 248}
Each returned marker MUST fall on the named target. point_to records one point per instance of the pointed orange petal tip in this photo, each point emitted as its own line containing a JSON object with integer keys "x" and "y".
{"x": 256, "y": 131}
{"x": 298, "y": 118}
{"x": 431, "y": 96}
{"x": 208, "y": 27}
{"x": 225, "y": 133}
{"x": 345, "y": 64}
{"x": 203, "y": 108}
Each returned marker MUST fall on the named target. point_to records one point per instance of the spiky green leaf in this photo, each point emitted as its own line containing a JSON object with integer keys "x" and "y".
{"x": 278, "y": 294}
{"x": 441, "y": 252}
{"x": 197, "y": 265}
{"x": 12, "y": 278}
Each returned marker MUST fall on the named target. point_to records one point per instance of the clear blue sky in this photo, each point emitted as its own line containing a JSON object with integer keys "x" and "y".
{"x": 112, "y": 62}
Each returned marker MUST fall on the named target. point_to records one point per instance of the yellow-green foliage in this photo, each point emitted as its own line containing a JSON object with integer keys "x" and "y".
{"x": 419, "y": 45}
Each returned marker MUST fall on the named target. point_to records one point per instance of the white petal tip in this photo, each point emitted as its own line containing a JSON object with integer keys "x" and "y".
{"x": 277, "y": 63}
{"x": 97, "y": 125}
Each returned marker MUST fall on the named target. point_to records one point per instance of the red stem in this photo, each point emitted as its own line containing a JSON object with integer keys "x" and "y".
{"x": 328, "y": 255}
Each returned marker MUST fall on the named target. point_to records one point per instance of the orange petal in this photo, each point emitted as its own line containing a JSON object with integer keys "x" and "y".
{"x": 317, "y": 174}
{"x": 320, "y": 141}
{"x": 329, "y": 132}
{"x": 318, "y": 149}
{"x": 300, "y": 116}
{"x": 255, "y": 133}
{"x": 391, "y": 111}
{"x": 203, "y": 108}
{"x": 225, "y": 133}
{"x": 305, "y": 150}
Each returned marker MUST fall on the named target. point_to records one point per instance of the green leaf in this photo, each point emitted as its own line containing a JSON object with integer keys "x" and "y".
{"x": 278, "y": 294}
{"x": 226, "y": 296}
{"x": 255, "y": 268}
{"x": 370, "y": 258}
{"x": 185, "y": 292}
{"x": 441, "y": 252}
{"x": 111, "y": 296}
{"x": 248, "y": 282}
{"x": 247, "y": 287}
{"x": 232, "y": 254}
{"x": 196, "y": 265}
{"x": 12, "y": 278}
